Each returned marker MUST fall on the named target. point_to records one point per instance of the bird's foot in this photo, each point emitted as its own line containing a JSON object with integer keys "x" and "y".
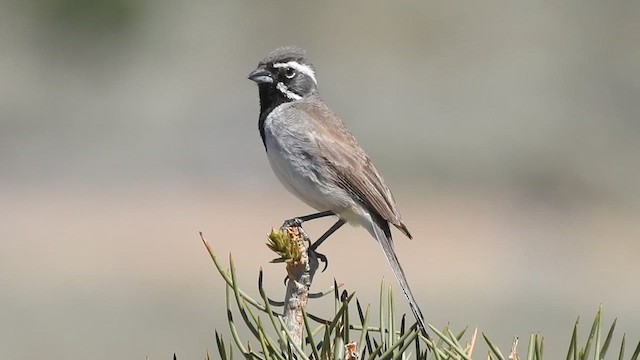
{"x": 295, "y": 222}
{"x": 312, "y": 253}
{"x": 322, "y": 257}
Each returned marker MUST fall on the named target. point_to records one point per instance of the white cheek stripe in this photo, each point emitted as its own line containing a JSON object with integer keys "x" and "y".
{"x": 305, "y": 69}
{"x": 290, "y": 94}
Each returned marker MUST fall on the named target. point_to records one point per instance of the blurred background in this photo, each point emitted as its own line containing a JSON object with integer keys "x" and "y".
{"x": 507, "y": 130}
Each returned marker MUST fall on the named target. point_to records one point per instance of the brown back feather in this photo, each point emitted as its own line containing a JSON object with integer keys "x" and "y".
{"x": 352, "y": 167}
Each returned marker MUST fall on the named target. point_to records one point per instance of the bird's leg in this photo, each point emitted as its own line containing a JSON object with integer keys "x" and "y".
{"x": 314, "y": 246}
{"x": 298, "y": 220}
{"x": 328, "y": 233}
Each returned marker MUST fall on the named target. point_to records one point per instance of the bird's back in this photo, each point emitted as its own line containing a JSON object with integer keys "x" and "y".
{"x": 346, "y": 163}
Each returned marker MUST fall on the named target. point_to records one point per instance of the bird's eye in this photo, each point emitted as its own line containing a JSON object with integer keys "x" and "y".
{"x": 289, "y": 73}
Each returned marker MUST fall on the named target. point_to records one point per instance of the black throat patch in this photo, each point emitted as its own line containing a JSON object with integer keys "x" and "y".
{"x": 270, "y": 98}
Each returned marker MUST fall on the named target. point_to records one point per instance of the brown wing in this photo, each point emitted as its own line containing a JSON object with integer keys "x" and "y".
{"x": 351, "y": 166}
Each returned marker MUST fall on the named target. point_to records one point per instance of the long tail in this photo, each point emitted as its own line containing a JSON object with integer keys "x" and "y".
{"x": 383, "y": 235}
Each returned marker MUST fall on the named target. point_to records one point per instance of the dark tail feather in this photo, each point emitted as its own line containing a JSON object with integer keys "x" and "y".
{"x": 384, "y": 238}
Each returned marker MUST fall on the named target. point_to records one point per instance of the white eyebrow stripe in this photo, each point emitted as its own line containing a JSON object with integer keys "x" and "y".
{"x": 305, "y": 69}
{"x": 288, "y": 93}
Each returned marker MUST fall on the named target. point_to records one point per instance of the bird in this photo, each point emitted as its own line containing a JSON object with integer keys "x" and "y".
{"x": 317, "y": 159}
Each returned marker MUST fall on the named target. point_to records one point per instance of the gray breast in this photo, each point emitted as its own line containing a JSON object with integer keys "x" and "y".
{"x": 294, "y": 159}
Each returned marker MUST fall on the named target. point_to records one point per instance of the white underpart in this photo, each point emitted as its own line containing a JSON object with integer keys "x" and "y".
{"x": 301, "y": 68}
{"x": 288, "y": 93}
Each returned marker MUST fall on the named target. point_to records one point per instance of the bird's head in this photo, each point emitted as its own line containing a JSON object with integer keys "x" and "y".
{"x": 286, "y": 75}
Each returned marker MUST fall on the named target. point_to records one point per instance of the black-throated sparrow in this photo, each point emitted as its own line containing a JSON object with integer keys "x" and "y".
{"x": 317, "y": 159}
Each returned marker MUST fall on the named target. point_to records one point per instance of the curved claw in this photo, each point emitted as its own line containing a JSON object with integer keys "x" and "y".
{"x": 323, "y": 258}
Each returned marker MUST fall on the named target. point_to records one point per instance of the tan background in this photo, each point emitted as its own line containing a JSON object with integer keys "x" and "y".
{"x": 507, "y": 130}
